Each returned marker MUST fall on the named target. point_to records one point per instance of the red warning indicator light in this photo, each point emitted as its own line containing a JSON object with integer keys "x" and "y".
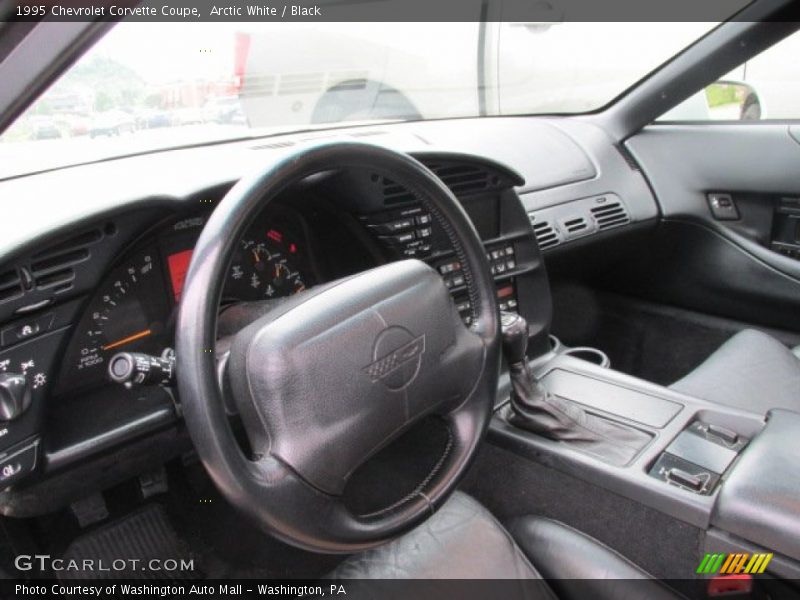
{"x": 275, "y": 235}
{"x": 293, "y": 248}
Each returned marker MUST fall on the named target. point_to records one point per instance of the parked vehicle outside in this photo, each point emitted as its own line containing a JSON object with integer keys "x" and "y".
{"x": 112, "y": 122}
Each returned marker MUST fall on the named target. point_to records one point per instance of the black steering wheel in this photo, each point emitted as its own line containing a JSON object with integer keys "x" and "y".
{"x": 332, "y": 375}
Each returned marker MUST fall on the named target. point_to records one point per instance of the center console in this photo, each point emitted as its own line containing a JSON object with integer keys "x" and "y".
{"x": 760, "y": 500}
{"x": 695, "y": 460}
{"x": 693, "y": 451}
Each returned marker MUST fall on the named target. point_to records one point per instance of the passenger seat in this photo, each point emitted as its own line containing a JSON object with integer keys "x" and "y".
{"x": 751, "y": 371}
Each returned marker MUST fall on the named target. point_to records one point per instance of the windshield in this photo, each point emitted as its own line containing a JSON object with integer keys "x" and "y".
{"x": 148, "y": 86}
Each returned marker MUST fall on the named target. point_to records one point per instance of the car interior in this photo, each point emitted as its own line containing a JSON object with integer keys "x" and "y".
{"x": 558, "y": 347}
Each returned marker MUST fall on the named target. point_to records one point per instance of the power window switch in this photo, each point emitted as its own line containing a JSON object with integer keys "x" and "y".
{"x": 726, "y": 435}
{"x": 685, "y": 479}
{"x": 723, "y": 207}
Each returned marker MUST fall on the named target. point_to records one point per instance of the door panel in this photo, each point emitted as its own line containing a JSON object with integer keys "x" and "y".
{"x": 746, "y": 265}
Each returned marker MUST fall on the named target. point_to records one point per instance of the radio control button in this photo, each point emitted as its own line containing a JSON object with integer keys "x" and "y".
{"x": 403, "y": 238}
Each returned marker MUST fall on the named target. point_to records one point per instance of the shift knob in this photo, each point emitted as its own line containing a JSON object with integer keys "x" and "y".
{"x": 15, "y": 396}
{"x": 515, "y": 336}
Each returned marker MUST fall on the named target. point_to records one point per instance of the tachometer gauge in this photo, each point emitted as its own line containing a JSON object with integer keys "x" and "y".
{"x": 128, "y": 313}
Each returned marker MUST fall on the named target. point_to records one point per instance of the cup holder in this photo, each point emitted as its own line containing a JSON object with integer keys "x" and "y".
{"x": 592, "y": 355}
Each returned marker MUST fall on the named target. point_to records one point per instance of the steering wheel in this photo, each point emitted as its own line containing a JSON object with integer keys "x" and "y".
{"x": 334, "y": 374}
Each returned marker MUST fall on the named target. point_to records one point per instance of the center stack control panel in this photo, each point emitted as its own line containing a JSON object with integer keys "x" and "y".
{"x": 401, "y": 226}
{"x": 410, "y": 232}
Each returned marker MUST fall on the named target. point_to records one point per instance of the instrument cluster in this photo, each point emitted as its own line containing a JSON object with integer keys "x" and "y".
{"x": 134, "y": 308}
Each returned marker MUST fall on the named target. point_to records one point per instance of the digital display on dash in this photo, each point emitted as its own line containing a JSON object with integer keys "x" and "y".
{"x": 178, "y": 264}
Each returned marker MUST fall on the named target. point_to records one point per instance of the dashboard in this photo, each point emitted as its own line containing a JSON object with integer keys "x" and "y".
{"x": 78, "y": 287}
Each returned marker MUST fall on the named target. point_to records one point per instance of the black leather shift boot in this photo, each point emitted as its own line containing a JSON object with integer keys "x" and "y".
{"x": 536, "y": 410}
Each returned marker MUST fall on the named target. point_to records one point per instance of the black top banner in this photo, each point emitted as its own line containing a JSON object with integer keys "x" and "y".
{"x": 523, "y": 11}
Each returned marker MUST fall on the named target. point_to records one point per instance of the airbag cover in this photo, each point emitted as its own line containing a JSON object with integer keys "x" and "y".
{"x": 334, "y": 379}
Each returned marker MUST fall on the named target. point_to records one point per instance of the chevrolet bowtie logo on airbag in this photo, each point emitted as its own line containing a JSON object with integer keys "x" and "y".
{"x": 397, "y": 355}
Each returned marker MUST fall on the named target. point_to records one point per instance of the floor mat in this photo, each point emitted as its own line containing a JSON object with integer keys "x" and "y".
{"x": 228, "y": 544}
{"x": 124, "y": 549}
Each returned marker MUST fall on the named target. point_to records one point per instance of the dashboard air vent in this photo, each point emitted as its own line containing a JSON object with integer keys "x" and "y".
{"x": 610, "y": 215}
{"x": 464, "y": 179}
{"x": 394, "y": 193}
{"x": 546, "y": 235}
{"x": 54, "y": 266}
{"x": 575, "y": 225}
{"x": 10, "y": 285}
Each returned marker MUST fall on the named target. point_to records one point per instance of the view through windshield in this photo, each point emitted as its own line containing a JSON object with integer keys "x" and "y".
{"x": 147, "y": 86}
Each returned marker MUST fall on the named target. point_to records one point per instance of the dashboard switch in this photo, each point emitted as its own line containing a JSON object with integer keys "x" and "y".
{"x": 726, "y": 435}
{"x": 723, "y": 207}
{"x": 393, "y": 226}
{"x": 135, "y": 368}
{"x": 17, "y": 463}
{"x": 25, "y": 329}
{"x": 403, "y": 238}
{"x": 685, "y": 479}
{"x": 15, "y": 396}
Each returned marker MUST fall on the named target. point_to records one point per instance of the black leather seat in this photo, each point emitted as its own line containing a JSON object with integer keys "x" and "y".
{"x": 752, "y": 371}
{"x": 462, "y": 540}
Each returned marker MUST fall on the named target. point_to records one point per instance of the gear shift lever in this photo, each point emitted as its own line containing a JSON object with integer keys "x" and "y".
{"x": 532, "y": 407}
{"x": 535, "y": 409}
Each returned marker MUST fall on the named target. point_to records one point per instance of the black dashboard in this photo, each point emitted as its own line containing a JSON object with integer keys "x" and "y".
{"x": 319, "y": 230}
{"x": 110, "y": 278}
